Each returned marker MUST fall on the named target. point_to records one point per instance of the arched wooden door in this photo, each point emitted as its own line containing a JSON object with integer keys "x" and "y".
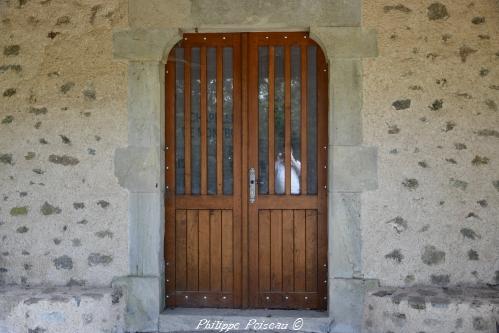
{"x": 246, "y": 155}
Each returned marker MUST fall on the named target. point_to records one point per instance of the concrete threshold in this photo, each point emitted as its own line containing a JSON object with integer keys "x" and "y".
{"x": 224, "y": 320}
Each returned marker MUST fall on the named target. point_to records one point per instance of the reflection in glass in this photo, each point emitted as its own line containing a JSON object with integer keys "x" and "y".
{"x": 179, "y": 121}
{"x": 195, "y": 121}
{"x": 263, "y": 124}
{"x": 211, "y": 128}
{"x": 295, "y": 119}
{"x": 228, "y": 78}
{"x": 312, "y": 120}
{"x": 280, "y": 174}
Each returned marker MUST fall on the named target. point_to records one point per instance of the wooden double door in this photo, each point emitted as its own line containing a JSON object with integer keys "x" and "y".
{"x": 246, "y": 159}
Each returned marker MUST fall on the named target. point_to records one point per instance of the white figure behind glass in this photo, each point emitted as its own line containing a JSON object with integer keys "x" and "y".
{"x": 280, "y": 174}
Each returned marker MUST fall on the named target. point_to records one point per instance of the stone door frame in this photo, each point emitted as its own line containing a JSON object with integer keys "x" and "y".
{"x": 139, "y": 167}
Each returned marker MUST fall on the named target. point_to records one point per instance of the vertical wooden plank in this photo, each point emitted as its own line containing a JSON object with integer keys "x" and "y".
{"x": 215, "y": 250}
{"x": 322, "y": 127}
{"x": 181, "y": 250}
{"x": 263, "y": 250}
{"x": 192, "y": 250}
{"x": 288, "y": 280}
{"x": 236, "y": 164}
{"x": 187, "y": 119}
{"x": 170, "y": 219}
{"x": 244, "y": 180}
{"x": 220, "y": 105}
{"x": 303, "y": 120}
{"x": 311, "y": 250}
{"x": 204, "y": 250}
{"x": 203, "y": 102}
{"x": 251, "y": 144}
{"x": 299, "y": 249}
{"x": 276, "y": 250}
{"x": 227, "y": 251}
{"x": 287, "y": 116}
{"x": 271, "y": 167}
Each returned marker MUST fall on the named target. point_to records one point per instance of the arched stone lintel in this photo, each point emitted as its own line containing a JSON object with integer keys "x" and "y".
{"x": 154, "y": 45}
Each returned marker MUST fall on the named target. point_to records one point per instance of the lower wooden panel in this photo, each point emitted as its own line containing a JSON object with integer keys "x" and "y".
{"x": 204, "y": 258}
{"x": 288, "y": 261}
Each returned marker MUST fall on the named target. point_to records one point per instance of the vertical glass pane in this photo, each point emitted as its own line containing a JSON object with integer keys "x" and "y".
{"x": 211, "y": 77}
{"x": 280, "y": 171}
{"x": 195, "y": 121}
{"x": 228, "y": 87}
{"x": 295, "y": 119}
{"x": 263, "y": 117}
{"x": 312, "y": 120}
{"x": 179, "y": 121}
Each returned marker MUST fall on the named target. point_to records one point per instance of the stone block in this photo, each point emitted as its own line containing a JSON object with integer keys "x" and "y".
{"x": 345, "y": 93}
{"x": 61, "y": 309}
{"x": 146, "y": 231}
{"x": 142, "y": 302}
{"x": 353, "y": 169}
{"x": 145, "y": 104}
{"x": 294, "y": 13}
{"x": 346, "y": 300}
{"x": 138, "y": 168}
{"x": 346, "y": 42}
{"x": 345, "y": 260}
{"x": 144, "y": 45}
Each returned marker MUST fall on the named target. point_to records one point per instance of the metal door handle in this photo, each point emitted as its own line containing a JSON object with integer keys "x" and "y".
{"x": 252, "y": 185}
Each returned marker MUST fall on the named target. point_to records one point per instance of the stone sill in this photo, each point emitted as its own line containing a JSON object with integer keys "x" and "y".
{"x": 61, "y": 309}
{"x": 187, "y": 319}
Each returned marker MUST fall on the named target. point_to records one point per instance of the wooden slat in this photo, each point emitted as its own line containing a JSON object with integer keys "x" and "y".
{"x": 204, "y": 202}
{"x": 204, "y": 250}
{"x": 236, "y": 165}
{"x": 192, "y": 250}
{"x": 170, "y": 220}
{"x": 196, "y": 299}
{"x": 287, "y": 116}
{"x": 251, "y": 144}
{"x": 187, "y": 120}
{"x": 276, "y": 250}
{"x": 322, "y": 109}
{"x": 227, "y": 251}
{"x": 288, "y": 281}
{"x": 299, "y": 249}
{"x": 264, "y": 250}
{"x": 210, "y": 39}
{"x": 278, "y": 38}
{"x": 216, "y": 250}
{"x": 311, "y": 249}
{"x": 271, "y": 139}
{"x": 220, "y": 104}
{"x": 245, "y": 212}
{"x": 181, "y": 250}
{"x": 296, "y": 300}
{"x": 303, "y": 121}
{"x": 203, "y": 118}
{"x": 287, "y": 202}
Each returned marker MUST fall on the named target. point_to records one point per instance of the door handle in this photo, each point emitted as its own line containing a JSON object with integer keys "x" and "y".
{"x": 252, "y": 185}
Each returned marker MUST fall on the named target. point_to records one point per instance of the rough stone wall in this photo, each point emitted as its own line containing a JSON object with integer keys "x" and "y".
{"x": 63, "y": 215}
{"x": 431, "y": 107}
